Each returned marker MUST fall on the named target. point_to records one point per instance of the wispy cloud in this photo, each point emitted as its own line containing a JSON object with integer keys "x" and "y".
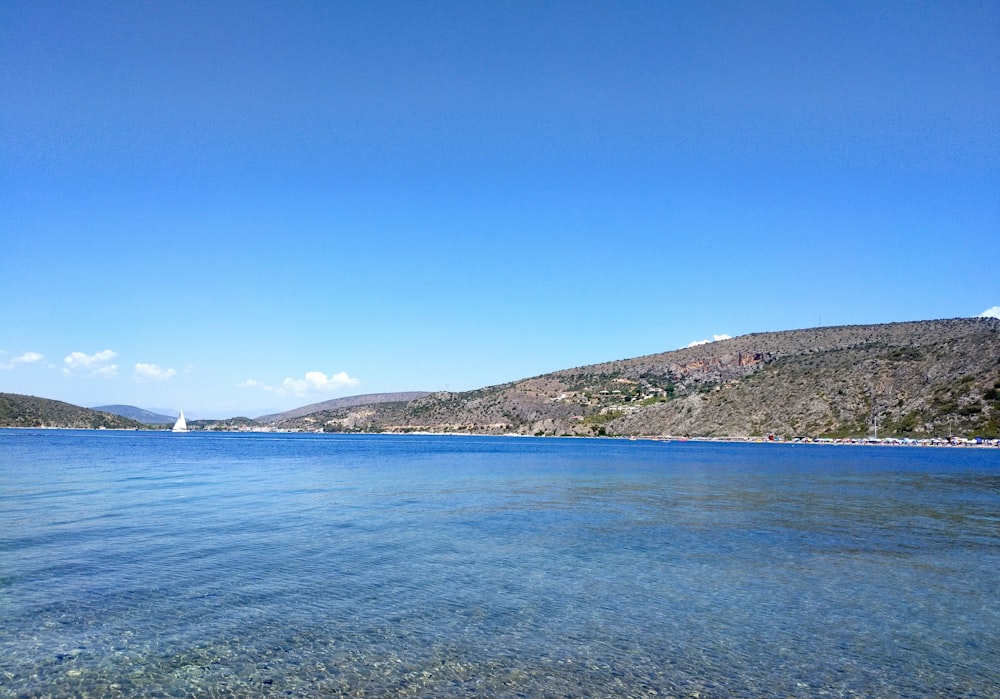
{"x": 314, "y": 383}
{"x": 26, "y": 358}
{"x": 715, "y": 338}
{"x": 145, "y": 373}
{"x": 991, "y": 313}
{"x": 98, "y": 364}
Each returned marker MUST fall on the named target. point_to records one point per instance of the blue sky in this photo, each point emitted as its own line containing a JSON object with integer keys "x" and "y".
{"x": 237, "y": 207}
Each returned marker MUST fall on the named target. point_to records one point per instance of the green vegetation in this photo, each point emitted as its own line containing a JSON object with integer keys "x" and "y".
{"x": 602, "y": 418}
{"x": 907, "y": 424}
{"x": 904, "y": 354}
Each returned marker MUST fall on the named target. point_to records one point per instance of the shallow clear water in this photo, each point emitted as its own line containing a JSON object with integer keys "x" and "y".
{"x": 154, "y": 564}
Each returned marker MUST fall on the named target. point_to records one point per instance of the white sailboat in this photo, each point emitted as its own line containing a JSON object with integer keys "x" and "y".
{"x": 181, "y": 424}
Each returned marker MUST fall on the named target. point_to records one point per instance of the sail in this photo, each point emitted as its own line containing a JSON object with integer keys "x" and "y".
{"x": 181, "y": 424}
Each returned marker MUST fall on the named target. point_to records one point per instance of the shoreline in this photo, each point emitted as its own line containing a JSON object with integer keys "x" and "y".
{"x": 952, "y": 442}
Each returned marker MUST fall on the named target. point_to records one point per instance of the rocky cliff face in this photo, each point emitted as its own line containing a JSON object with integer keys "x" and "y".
{"x": 928, "y": 378}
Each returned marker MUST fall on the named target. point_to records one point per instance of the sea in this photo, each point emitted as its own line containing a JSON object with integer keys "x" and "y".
{"x": 152, "y": 564}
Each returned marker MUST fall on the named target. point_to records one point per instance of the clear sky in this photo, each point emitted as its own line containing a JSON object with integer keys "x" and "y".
{"x": 238, "y": 207}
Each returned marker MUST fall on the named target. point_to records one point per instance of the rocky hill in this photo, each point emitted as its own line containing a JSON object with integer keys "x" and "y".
{"x": 917, "y": 379}
{"x": 28, "y": 411}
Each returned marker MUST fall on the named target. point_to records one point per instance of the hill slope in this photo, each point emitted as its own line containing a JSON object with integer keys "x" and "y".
{"x": 146, "y": 417}
{"x": 28, "y": 411}
{"x": 924, "y": 378}
{"x": 348, "y": 402}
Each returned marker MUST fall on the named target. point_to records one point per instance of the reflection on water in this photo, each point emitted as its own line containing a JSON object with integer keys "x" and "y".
{"x": 265, "y": 565}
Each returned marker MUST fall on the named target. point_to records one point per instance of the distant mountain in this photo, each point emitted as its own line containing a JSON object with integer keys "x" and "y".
{"x": 144, "y": 416}
{"x": 348, "y": 402}
{"x": 29, "y": 411}
{"x": 911, "y": 379}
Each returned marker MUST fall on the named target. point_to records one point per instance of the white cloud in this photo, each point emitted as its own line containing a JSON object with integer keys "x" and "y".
{"x": 26, "y": 358}
{"x": 79, "y": 360}
{"x": 715, "y": 338}
{"x": 98, "y": 364}
{"x": 151, "y": 372}
{"x": 314, "y": 382}
{"x": 318, "y": 382}
{"x": 991, "y": 313}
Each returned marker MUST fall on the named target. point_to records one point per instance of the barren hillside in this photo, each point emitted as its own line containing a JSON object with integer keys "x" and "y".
{"x": 925, "y": 378}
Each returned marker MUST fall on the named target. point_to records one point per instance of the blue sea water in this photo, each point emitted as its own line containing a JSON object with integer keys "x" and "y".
{"x": 224, "y": 565}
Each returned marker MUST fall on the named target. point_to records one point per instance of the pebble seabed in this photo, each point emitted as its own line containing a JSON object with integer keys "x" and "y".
{"x": 393, "y": 662}
{"x": 322, "y": 671}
